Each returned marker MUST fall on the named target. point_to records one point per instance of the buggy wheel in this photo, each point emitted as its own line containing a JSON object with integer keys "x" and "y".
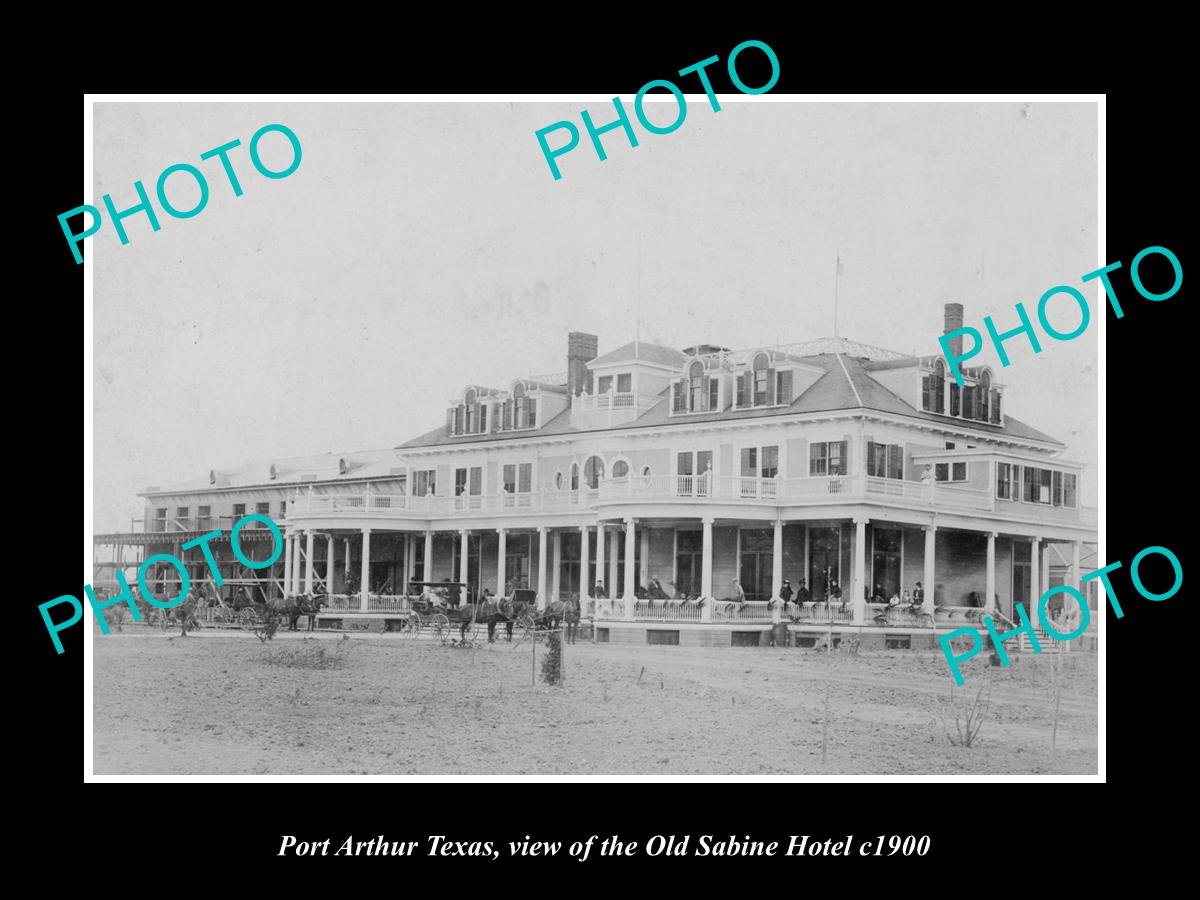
{"x": 441, "y": 626}
{"x": 412, "y": 625}
{"x": 247, "y": 618}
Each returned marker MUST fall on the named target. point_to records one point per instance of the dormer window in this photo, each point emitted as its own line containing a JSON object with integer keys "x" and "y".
{"x": 763, "y": 376}
{"x": 933, "y": 389}
{"x": 697, "y": 387}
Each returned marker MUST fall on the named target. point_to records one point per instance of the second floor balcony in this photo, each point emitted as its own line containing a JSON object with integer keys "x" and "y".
{"x": 692, "y": 490}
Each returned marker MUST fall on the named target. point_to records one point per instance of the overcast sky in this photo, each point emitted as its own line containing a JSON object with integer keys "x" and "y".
{"x": 421, "y": 247}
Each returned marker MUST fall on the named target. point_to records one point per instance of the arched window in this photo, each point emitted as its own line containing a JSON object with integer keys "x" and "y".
{"x": 646, "y": 471}
{"x": 982, "y": 406}
{"x": 696, "y": 387}
{"x": 574, "y": 476}
{"x": 761, "y": 380}
{"x": 593, "y": 471}
{"x": 620, "y": 469}
{"x": 934, "y": 394}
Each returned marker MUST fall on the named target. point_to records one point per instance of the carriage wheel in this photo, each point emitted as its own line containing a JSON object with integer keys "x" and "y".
{"x": 441, "y": 627}
{"x": 528, "y": 625}
{"x": 247, "y": 618}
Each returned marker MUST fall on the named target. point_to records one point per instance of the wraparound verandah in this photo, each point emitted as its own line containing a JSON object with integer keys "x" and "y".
{"x": 372, "y": 568}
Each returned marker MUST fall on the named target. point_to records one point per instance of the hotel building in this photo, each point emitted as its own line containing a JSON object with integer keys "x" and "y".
{"x": 858, "y": 470}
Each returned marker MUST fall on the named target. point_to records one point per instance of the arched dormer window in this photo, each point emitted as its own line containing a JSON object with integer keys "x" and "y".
{"x": 697, "y": 387}
{"x": 984, "y": 396}
{"x": 762, "y": 381}
{"x": 593, "y": 472}
{"x": 933, "y": 388}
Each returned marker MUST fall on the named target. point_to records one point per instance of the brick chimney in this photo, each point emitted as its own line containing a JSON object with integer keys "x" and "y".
{"x": 954, "y": 321}
{"x": 581, "y": 349}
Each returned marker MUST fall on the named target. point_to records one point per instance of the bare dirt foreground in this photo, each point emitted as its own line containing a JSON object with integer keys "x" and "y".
{"x": 217, "y": 703}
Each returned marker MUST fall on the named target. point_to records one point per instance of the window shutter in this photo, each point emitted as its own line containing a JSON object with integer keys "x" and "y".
{"x": 742, "y": 380}
{"x": 714, "y": 394}
{"x": 450, "y": 421}
{"x": 677, "y": 397}
{"x": 785, "y": 387}
{"x": 483, "y": 417}
{"x": 508, "y": 415}
{"x": 770, "y": 387}
{"x": 531, "y": 412}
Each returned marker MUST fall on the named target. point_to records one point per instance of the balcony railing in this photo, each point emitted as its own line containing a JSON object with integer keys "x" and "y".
{"x": 735, "y": 489}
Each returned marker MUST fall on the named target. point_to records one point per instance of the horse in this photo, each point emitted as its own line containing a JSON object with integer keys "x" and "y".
{"x": 511, "y": 609}
{"x": 310, "y": 606}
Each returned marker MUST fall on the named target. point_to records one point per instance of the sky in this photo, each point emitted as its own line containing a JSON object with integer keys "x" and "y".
{"x": 420, "y": 247}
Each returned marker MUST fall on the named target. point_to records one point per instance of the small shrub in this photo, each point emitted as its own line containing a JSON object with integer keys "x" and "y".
{"x": 968, "y": 713}
{"x": 311, "y": 654}
{"x": 552, "y": 672}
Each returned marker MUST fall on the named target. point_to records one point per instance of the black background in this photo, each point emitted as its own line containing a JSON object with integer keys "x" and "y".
{"x": 207, "y": 832}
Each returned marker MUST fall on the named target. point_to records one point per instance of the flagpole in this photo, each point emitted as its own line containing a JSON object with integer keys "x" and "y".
{"x": 837, "y": 271}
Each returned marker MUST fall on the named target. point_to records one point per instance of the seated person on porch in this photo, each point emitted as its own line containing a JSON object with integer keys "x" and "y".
{"x": 907, "y": 598}
{"x": 918, "y": 595}
{"x": 878, "y": 596}
{"x": 803, "y": 594}
{"x": 894, "y": 601}
{"x": 739, "y": 596}
{"x": 835, "y": 592}
{"x": 656, "y": 590}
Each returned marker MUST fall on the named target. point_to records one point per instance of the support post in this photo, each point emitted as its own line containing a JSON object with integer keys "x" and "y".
{"x": 427, "y": 564}
{"x": 706, "y": 570}
{"x": 929, "y": 573}
{"x": 287, "y": 564}
{"x": 365, "y": 582}
{"x": 501, "y": 561}
{"x": 989, "y": 599}
{"x": 601, "y": 537}
{"x": 630, "y": 568}
{"x": 556, "y": 575}
{"x": 329, "y": 566}
{"x": 777, "y": 573}
{"x": 859, "y": 583}
{"x": 585, "y": 589}
{"x": 308, "y": 563}
{"x": 542, "y": 586}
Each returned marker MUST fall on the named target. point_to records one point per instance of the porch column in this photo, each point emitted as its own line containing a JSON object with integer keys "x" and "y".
{"x": 601, "y": 536}
{"x": 365, "y": 575}
{"x": 348, "y": 562}
{"x": 989, "y": 599}
{"x": 296, "y": 565}
{"x": 1035, "y": 580}
{"x": 329, "y": 566}
{"x": 585, "y": 589}
{"x": 287, "y": 564}
{"x": 1044, "y": 584}
{"x": 308, "y": 567}
{"x": 1076, "y": 553}
{"x": 556, "y": 574}
{"x": 929, "y": 573}
{"x": 858, "y": 585}
{"x": 408, "y": 561}
{"x": 541, "y": 589}
{"x": 706, "y": 567}
{"x": 630, "y": 569}
{"x": 427, "y": 565}
{"x": 644, "y": 565}
{"x": 613, "y": 575}
{"x": 501, "y": 561}
{"x": 464, "y": 555}
{"x": 777, "y": 573}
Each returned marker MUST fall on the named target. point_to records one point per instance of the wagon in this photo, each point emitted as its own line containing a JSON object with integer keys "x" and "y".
{"x": 439, "y": 617}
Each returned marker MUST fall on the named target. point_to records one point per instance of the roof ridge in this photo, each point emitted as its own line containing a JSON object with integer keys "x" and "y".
{"x": 846, "y": 372}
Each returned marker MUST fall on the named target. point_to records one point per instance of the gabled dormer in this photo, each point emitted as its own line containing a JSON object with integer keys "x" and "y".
{"x": 473, "y": 413}
{"x": 703, "y": 387}
{"x": 770, "y": 378}
{"x": 628, "y": 381}
{"x": 979, "y": 399}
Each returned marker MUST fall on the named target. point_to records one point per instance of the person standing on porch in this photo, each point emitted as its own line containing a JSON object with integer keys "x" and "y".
{"x": 918, "y": 595}
{"x": 601, "y": 591}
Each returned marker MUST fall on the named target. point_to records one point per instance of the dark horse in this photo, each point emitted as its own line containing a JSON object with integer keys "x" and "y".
{"x": 304, "y": 605}
{"x": 512, "y": 608}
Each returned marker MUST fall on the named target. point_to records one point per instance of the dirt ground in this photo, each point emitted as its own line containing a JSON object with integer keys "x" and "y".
{"x": 225, "y": 704}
